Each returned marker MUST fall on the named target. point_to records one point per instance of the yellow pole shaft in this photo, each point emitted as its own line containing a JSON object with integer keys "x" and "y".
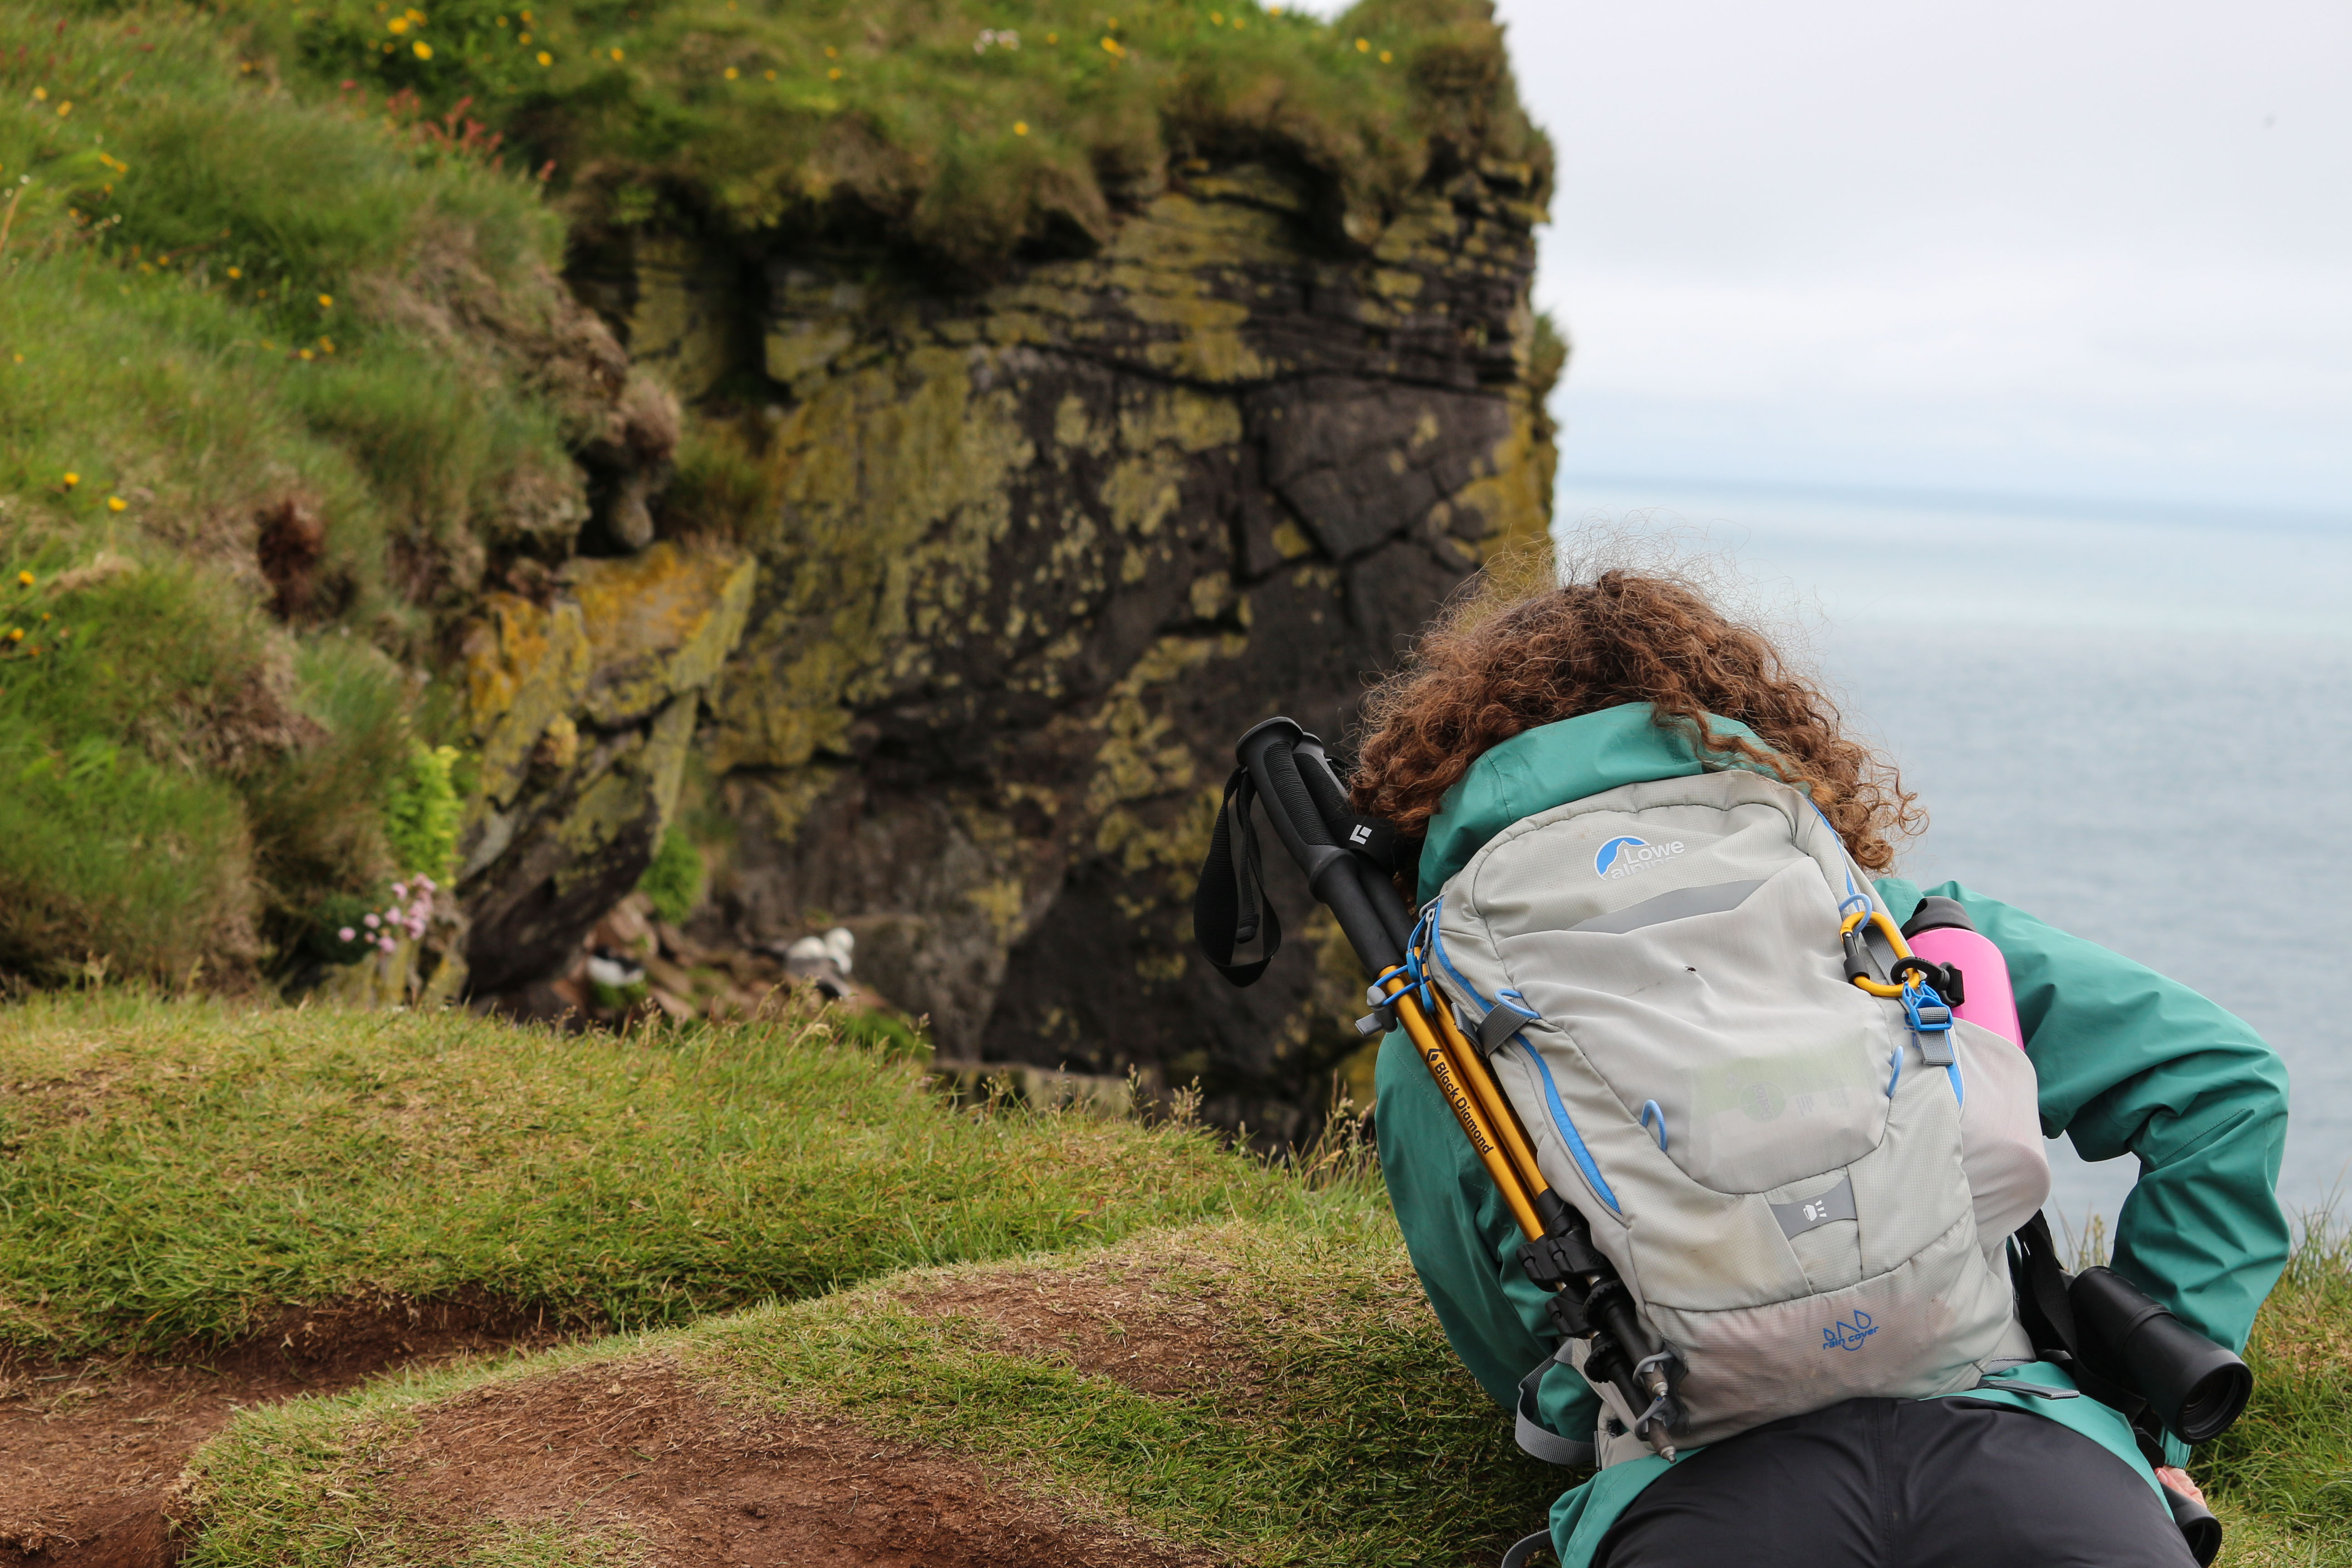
{"x": 1470, "y": 1063}
{"x": 1438, "y": 1057}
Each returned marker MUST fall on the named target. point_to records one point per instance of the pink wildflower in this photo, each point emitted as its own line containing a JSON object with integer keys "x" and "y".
{"x": 346, "y": 934}
{"x": 428, "y": 884}
{"x": 386, "y": 943}
{"x": 371, "y": 920}
{"x": 400, "y": 889}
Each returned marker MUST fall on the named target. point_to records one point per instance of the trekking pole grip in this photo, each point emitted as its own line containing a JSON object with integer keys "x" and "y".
{"x": 1333, "y": 874}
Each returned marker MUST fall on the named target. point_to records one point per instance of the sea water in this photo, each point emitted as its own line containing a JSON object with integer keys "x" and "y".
{"x": 2138, "y": 729}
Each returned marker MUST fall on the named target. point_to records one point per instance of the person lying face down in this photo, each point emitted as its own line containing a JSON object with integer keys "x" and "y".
{"x": 1607, "y": 715}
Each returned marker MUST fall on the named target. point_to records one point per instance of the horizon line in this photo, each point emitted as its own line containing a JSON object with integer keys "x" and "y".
{"x": 2108, "y": 509}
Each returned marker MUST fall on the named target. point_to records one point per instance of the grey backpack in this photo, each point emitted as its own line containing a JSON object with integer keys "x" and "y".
{"x": 1808, "y": 1198}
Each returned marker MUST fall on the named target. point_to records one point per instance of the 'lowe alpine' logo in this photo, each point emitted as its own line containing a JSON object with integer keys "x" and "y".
{"x": 1844, "y": 1336}
{"x": 1623, "y": 856}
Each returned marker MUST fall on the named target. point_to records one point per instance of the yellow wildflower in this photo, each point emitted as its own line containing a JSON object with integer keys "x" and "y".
{"x": 72, "y": 479}
{"x": 1362, "y": 45}
{"x": 423, "y": 51}
{"x": 545, "y": 58}
{"x": 524, "y": 38}
{"x": 1216, "y": 18}
{"x": 398, "y": 23}
{"x": 769, "y": 75}
{"x": 1111, "y": 46}
{"x": 833, "y": 75}
{"x": 831, "y": 53}
{"x": 1386, "y": 58}
{"x": 327, "y": 345}
{"x": 116, "y": 503}
{"x": 1239, "y": 22}
{"x": 415, "y": 15}
{"x": 1053, "y": 37}
{"x": 502, "y": 21}
{"x": 15, "y": 634}
{"x": 236, "y": 271}
{"x": 732, "y": 73}
{"x": 1021, "y": 128}
{"x": 24, "y": 579}
{"x": 616, "y": 57}
{"x": 64, "y": 110}
{"x": 40, "y": 95}
{"x": 328, "y": 300}
{"x": 307, "y": 354}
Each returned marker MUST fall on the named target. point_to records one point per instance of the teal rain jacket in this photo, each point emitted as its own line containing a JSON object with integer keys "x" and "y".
{"x": 2129, "y": 1062}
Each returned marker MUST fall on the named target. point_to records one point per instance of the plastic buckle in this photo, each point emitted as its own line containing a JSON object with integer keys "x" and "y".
{"x": 1382, "y": 1017}
{"x": 1932, "y": 1022}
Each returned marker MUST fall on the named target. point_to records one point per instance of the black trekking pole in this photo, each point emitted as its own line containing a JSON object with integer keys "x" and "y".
{"x": 1342, "y": 855}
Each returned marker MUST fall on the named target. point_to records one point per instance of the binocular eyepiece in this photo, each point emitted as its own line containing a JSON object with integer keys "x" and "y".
{"x": 2194, "y": 1386}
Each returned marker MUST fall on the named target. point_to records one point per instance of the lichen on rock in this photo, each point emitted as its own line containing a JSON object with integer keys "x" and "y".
{"x": 1042, "y": 549}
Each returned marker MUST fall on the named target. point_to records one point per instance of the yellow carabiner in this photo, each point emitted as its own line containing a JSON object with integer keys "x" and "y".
{"x": 1886, "y": 929}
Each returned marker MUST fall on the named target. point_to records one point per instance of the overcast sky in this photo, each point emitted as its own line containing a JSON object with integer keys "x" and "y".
{"x": 2046, "y": 247}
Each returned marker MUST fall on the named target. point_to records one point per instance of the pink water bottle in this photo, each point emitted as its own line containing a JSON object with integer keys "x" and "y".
{"x": 1940, "y": 934}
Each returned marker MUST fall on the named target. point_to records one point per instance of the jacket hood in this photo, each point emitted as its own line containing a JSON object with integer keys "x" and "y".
{"x": 1557, "y": 763}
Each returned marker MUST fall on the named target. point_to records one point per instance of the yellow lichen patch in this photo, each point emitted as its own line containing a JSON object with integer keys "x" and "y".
{"x": 1074, "y": 431}
{"x": 683, "y": 322}
{"x": 660, "y": 623}
{"x": 895, "y": 481}
{"x": 1143, "y": 492}
{"x": 1162, "y": 968}
{"x": 558, "y": 743}
{"x": 525, "y": 666}
{"x": 1001, "y": 903}
{"x": 1290, "y": 541}
{"x": 1181, "y": 417}
{"x": 1512, "y": 496}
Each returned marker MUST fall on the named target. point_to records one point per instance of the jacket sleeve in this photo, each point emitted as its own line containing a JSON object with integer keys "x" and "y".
{"x": 2131, "y": 1062}
{"x": 1465, "y": 1245}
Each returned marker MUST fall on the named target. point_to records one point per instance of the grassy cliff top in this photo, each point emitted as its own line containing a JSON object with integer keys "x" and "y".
{"x": 1137, "y": 1332}
{"x": 180, "y": 1174}
{"x": 970, "y": 129}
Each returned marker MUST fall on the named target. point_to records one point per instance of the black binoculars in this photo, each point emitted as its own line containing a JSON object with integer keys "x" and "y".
{"x": 2194, "y": 1386}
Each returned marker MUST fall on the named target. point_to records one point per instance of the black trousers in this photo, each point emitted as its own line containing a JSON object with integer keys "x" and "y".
{"x": 1900, "y": 1483}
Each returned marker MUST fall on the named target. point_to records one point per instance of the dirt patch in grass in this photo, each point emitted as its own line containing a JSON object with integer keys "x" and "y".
{"x": 88, "y": 1450}
{"x": 1159, "y": 1322}
{"x": 630, "y": 1455}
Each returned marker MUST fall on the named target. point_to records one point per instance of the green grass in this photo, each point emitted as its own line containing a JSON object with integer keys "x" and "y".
{"x": 177, "y": 1172}
{"x": 918, "y": 123}
{"x": 217, "y": 301}
{"x": 1348, "y": 1434}
{"x": 172, "y": 1173}
{"x": 2289, "y": 1458}
{"x": 1358, "y": 1440}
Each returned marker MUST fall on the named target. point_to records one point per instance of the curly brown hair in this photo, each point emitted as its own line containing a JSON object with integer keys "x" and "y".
{"x": 1502, "y": 661}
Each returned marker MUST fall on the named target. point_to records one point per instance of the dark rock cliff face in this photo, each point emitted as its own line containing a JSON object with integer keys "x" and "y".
{"x": 1040, "y": 550}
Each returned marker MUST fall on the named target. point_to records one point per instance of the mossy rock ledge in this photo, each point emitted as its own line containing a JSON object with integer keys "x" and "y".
{"x": 1032, "y": 555}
